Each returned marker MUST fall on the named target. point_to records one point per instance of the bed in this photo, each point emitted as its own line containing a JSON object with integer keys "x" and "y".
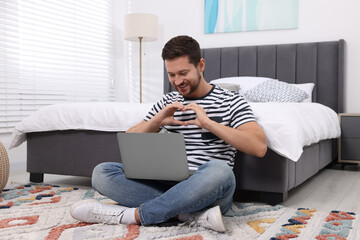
{"x": 76, "y": 150}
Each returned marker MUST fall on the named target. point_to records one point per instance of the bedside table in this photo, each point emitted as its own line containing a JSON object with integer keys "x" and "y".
{"x": 349, "y": 141}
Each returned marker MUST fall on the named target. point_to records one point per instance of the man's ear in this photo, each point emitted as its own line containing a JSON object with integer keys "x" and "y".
{"x": 201, "y": 65}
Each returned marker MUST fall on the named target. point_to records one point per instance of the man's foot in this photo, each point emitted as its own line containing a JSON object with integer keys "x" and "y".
{"x": 93, "y": 211}
{"x": 210, "y": 219}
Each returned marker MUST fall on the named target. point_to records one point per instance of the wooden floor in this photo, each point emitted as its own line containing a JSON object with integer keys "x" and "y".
{"x": 330, "y": 189}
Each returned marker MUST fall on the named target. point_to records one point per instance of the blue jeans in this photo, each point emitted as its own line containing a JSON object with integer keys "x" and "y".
{"x": 158, "y": 201}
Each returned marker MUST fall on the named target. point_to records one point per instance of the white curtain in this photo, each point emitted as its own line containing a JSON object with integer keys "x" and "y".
{"x": 53, "y": 51}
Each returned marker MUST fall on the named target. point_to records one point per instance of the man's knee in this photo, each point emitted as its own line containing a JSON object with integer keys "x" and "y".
{"x": 218, "y": 163}
{"x": 99, "y": 168}
{"x": 220, "y": 171}
{"x": 220, "y": 166}
{"x": 96, "y": 173}
{"x": 100, "y": 173}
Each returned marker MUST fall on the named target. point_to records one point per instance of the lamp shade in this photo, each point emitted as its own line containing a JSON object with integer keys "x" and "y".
{"x": 143, "y": 25}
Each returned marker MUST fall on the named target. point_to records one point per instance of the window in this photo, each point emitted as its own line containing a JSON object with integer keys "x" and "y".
{"x": 53, "y": 51}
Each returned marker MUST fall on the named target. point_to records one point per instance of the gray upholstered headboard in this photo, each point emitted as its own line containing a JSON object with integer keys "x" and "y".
{"x": 321, "y": 63}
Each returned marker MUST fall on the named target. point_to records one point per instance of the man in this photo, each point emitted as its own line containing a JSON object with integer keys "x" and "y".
{"x": 215, "y": 122}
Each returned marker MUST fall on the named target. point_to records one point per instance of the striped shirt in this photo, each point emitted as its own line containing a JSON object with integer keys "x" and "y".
{"x": 225, "y": 107}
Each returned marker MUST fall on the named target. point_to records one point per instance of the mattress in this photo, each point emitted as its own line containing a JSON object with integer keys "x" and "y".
{"x": 289, "y": 127}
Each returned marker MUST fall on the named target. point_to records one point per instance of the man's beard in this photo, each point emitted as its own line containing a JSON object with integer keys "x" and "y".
{"x": 192, "y": 87}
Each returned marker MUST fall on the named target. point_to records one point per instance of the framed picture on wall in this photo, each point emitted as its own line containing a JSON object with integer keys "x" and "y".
{"x": 249, "y": 15}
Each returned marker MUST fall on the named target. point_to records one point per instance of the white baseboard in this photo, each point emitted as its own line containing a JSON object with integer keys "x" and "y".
{"x": 17, "y": 166}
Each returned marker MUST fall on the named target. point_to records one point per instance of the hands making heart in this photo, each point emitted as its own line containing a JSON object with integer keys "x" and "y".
{"x": 166, "y": 115}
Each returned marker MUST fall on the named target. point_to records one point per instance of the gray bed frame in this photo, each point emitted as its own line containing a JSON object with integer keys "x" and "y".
{"x": 267, "y": 179}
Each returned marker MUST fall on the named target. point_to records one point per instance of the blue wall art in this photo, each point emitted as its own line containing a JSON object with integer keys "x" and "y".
{"x": 249, "y": 15}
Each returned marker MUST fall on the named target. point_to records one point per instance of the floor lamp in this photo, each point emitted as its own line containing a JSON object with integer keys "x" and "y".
{"x": 142, "y": 27}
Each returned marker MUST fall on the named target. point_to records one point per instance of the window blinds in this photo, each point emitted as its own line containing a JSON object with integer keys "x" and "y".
{"x": 53, "y": 51}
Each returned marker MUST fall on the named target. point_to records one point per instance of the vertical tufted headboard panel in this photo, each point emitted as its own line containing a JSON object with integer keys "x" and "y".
{"x": 321, "y": 63}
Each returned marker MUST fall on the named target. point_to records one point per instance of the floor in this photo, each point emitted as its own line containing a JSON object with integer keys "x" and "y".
{"x": 330, "y": 189}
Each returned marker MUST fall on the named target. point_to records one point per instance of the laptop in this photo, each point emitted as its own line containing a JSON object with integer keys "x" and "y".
{"x": 154, "y": 156}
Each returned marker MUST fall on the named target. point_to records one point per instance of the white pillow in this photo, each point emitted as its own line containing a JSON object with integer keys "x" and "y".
{"x": 246, "y": 82}
{"x": 276, "y": 91}
{"x": 249, "y": 82}
{"x": 306, "y": 87}
{"x": 229, "y": 86}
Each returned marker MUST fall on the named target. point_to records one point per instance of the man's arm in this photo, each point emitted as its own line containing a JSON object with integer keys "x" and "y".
{"x": 164, "y": 117}
{"x": 248, "y": 138}
{"x": 143, "y": 126}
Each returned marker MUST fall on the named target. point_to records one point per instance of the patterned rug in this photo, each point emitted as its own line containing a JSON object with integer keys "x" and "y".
{"x": 42, "y": 212}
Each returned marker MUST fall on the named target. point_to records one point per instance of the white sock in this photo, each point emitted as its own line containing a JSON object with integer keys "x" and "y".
{"x": 128, "y": 216}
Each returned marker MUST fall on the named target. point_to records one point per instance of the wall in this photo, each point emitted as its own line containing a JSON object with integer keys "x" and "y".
{"x": 320, "y": 20}
{"x": 17, "y": 156}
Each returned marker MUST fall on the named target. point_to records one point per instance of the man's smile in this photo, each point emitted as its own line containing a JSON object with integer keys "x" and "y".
{"x": 182, "y": 87}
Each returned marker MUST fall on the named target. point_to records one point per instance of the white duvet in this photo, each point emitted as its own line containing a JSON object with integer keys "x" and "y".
{"x": 288, "y": 126}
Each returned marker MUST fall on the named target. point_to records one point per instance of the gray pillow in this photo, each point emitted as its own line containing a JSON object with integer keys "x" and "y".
{"x": 229, "y": 86}
{"x": 275, "y": 91}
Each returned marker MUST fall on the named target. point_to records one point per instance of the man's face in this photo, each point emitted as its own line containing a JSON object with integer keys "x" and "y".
{"x": 184, "y": 76}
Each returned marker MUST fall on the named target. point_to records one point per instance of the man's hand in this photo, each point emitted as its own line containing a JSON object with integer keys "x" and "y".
{"x": 162, "y": 118}
{"x": 166, "y": 115}
{"x": 201, "y": 120}
{"x": 248, "y": 138}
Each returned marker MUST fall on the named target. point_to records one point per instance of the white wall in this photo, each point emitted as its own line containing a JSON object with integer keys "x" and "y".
{"x": 320, "y": 20}
{"x": 17, "y": 156}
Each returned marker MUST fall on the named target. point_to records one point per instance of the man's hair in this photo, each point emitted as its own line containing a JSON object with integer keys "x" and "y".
{"x": 182, "y": 46}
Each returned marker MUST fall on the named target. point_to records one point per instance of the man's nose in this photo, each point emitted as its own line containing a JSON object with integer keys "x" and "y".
{"x": 178, "y": 80}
